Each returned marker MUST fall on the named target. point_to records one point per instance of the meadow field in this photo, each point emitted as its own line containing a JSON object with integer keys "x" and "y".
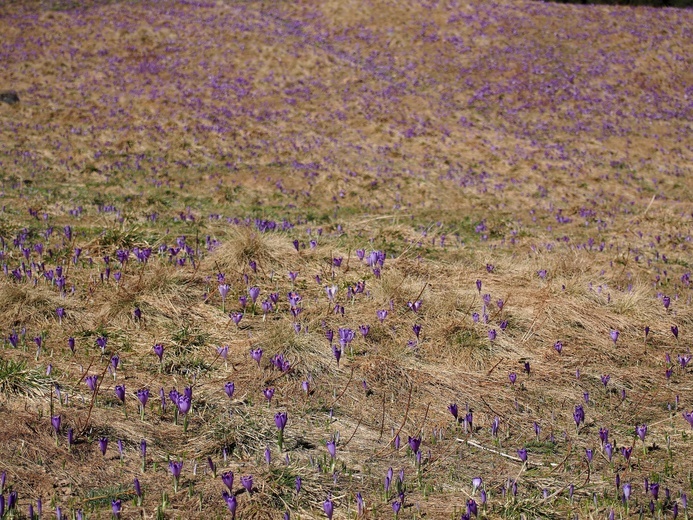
{"x": 338, "y": 259}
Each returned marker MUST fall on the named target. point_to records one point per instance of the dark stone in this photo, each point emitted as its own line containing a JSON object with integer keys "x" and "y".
{"x": 9, "y": 96}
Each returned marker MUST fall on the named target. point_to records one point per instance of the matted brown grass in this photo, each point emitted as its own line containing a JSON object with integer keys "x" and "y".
{"x": 468, "y": 140}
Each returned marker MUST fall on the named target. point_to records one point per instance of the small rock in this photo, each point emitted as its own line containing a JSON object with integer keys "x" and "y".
{"x": 9, "y": 96}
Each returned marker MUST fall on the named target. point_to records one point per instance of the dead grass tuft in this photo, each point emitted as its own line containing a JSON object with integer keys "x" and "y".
{"x": 243, "y": 244}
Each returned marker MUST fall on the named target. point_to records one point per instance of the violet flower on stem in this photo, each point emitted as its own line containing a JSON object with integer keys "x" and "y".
{"x": 175, "y": 467}
{"x": 120, "y": 394}
{"x": 55, "y": 423}
{"x": 138, "y": 491}
{"x": 280, "y": 420}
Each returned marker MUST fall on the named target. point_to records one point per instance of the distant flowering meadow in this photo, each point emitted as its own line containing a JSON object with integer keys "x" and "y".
{"x": 422, "y": 259}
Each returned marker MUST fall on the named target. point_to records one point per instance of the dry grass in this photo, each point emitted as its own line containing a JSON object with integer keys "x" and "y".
{"x": 474, "y": 141}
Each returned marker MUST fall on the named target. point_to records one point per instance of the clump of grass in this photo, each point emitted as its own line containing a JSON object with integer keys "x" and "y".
{"x": 101, "y": 498}
{"x": 17, "y": 379}
{"x": 246, "y": 243}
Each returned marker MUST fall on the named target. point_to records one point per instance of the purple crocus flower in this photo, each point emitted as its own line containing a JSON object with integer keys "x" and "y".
{"x": 604, "y": 435}
{"x": 328, "y": 507}
{"x": 229, "y": 389}
{"x": 675, "y": 331}
{"x": 522, "y": 453}
{"x": 231, "y": 502}
{"x": 689, "y": 417}
{"x": 608, "y": 450}
{"x": 116, "y": 507}
{"x": 227, "y": 479}
{"x": 55, "y": 422}
{"x": 558, "y": 346}
{"x": 641, "y": 431}
{"x": 254, "y": 292}
{"x": 476, "y": 484}
{"x": 416, "y": 328}
{"x": 268, "y": 393}
{"x": 346, "y": 336}
{"x": 654, "y": 489}
{"x": 512, "y": 376}
{"x": 415, "y": 306}
{"x": 184, "y": 403}
{"x": 627, "y": 488}
{"x": 472, "y": 509}
{"x": 143, "y": 396}
{"x": 626, "y": 451}
{"x": 101, "y": 342}
{"x": 120, "y": 393}
{"x": 605, "y": 379}
{"x": 159, "y": 351}
{"x": 236, "y": 317}
{"x": 266, "y": 307}
{"x": 256, "y": 354}
{"x": 92, "y": 382}
{"x": 331, "y": 448}
{"x": 492, "y": 334}
{"x": 360, "y": 504}
{"x": 247, "y": 482}
{"x": 280, "y": 420}
{"x": 414, "y": 443}
{"x": 381, "y": 315}
{"x": 337, "y": 351}
{"x": 103, "y": 445}
{"x": 579, "y": 415}
{"x": 614, "y": 336}
{"x": 175, "y": 467}
{"x": 452, "y": 408}
{"x": 478, "y": 286}
{"x": 138, "y": 490}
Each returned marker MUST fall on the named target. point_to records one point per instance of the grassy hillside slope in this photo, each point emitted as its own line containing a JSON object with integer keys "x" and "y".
{"x": 480, "y": 204}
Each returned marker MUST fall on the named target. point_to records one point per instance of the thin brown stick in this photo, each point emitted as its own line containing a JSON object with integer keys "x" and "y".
{"x": 406, "y": 416}
{"x": 351, "y": 375}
